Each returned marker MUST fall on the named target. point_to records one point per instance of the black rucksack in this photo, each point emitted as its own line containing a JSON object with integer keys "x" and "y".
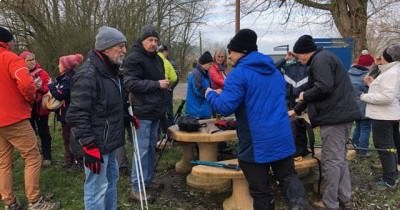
{"x": 189, "y": 124}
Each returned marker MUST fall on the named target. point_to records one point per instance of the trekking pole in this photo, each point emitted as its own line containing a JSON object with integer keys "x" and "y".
{"x": 138, "y": 163}
{"x": 215, "y": 164}
{"x": 165, "y": 135}
{"x": 392, "y": 150}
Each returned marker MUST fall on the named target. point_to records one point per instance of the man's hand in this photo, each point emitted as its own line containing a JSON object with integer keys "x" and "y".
{"x": 92, "y": 158}
{"x": 219, "y": 91}
{"x": 368, "y": 80}
{"x": 301, "y": 96}
{"x": 164, "y": 84}
{"x": 38, "y": 82}
{"x": 292, "y": 113}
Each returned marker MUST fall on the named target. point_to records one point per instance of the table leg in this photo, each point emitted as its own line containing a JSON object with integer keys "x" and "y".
{"x": 208, "y": 152}
{"x": 184, "y": 166}
{"x": 240, "y": 198}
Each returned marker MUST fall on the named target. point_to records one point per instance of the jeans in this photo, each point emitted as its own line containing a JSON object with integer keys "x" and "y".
{"x": 382, "y": 134}
{"x": 260, "y": 183}
{"x": 361, "y": 135}
{"x": 146, "y": 140}
{"x": 100, "y": 190}
{"x": 336, "y": 180}
{"x": 19, "y": 136}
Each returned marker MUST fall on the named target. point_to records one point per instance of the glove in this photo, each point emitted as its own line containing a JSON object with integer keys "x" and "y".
{"x": 92, "y": 158}
{"x": 135, "y": 121}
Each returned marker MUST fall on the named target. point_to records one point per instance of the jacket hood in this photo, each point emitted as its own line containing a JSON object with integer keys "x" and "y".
{"x": 138, "y": 48}
{"x": 258, "y": 62}
{"x": 358, "y": 70}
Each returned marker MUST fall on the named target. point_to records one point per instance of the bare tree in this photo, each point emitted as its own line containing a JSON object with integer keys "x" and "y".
{"x": 349, "y": 16}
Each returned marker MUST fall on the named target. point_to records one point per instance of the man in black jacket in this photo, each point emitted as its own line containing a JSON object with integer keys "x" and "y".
{"x": 96, "y": 117}
{"x": 332, "y": 107}
{"x": 144, "y": 79}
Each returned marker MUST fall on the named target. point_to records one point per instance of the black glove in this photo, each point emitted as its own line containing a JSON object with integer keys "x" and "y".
{"x": 92, "y": 158}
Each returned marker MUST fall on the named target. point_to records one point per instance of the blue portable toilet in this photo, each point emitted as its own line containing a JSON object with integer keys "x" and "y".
{"x": 341, "y": 47}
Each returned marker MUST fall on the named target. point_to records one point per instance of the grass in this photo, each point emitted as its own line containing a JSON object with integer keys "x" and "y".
{"x": 67, "y": 186}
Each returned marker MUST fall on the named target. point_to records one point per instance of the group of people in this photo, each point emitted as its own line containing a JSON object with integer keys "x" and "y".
{"x": 96, "y": 95}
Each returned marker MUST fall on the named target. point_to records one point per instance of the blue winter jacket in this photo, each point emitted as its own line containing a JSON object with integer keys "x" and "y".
{"x": 357, "y": 73}
{"x": 196, "y": 104}
{"x": 255, "y": 92}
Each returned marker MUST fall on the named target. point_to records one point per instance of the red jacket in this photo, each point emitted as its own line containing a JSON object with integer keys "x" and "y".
{"x": 217, "y": 77}
{"x": 42, "y": 74}
{"x": 17, "y": 89}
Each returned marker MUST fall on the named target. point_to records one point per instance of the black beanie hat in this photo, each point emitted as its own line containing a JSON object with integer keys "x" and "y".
{"x": 304, "y": 44}
{"x": 245, "y": 41}
{"x": 205, "y": 58}
{"x": 148, "y": 31}
{"x": 5, "y": 35}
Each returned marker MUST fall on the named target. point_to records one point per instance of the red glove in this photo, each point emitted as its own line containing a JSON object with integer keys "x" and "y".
{"x": 92, "y": 158}
{"x": 136, "y": 122}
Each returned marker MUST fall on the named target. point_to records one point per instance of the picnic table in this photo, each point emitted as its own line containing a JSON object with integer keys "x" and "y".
{"x": 206, "y": 139}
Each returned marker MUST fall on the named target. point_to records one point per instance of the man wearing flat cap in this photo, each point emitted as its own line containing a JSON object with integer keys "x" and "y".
{"x": 96, "y": 117}
{"x": 331, "y": 106}
{"x": 255, "y": 91}
{"x": 144, "y": 79}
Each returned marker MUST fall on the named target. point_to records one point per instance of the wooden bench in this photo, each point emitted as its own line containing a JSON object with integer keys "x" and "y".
{"x": 240, "y": 198}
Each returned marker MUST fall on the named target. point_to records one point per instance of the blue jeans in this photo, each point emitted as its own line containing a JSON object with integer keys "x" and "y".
{"x": 147, "y": 140}
{"x": 361, "y": 135}
{"x": 100, "y": 190}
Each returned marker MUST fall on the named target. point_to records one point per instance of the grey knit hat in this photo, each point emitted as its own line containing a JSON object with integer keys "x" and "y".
{"x": 392, "y": 53}
{"x": 148, "y": 31}
{"x": 108, "y": 37}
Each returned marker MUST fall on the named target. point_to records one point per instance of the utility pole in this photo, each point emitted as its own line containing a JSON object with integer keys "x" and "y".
{"x": 201, "y": 44}
{"x": 237, "y": 16}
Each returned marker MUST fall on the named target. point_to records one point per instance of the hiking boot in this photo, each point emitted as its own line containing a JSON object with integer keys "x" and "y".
{"x": 42, "y": 204}
{"x": 135, "y": 197}
{"x": 46, "y": 163}
{"x": 319, "y": 205}
{"x": 382, "y": 185}
{"x": 14, "y": 206}
{"x": 347, "y": 205}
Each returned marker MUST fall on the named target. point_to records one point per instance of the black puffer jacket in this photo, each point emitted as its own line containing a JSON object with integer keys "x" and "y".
{"x": 96, "y": 111}
{"x": 330, "y": 97}
{"x": 142, "y": 70}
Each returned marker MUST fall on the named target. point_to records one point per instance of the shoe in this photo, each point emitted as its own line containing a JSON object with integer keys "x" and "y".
{"x": 46, "y": 163}
{"x": 14, "y": 206}
{"x": 347, "y": 205}
{"x": 319, "y": 205}
{"x": 42, "y": 204}
{"x": 135, "y": 197}
{"x": 383, "y": 185}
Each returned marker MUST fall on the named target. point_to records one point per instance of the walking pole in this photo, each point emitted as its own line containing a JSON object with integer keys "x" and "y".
{"x": 392, "y": 150}
{"x": 138, "y": 163}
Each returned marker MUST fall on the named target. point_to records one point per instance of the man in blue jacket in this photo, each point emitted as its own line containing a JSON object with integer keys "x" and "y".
{"x": 255, "y": 92}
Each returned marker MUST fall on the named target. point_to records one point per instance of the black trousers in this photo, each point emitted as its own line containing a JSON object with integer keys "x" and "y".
{"x": 396, "y": 138}
{"x": 260, "y": 183}
{"x": 382, "y": 134}
{"x": 41, "y": 127}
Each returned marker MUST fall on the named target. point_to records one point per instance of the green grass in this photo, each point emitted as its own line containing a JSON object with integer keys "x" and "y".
{"x": 67, "y": 186}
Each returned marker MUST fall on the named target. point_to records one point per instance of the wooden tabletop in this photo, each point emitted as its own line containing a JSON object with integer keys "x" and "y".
{"x": 209, "y": 133}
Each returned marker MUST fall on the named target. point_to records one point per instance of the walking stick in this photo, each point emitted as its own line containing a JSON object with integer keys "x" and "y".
{"x": 215, "y": 164}
{"x": 138, "y": 163}
{"x": 392, "y": 150}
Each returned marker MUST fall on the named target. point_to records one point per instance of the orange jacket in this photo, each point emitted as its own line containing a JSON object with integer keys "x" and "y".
{"x": 17, "y": 89}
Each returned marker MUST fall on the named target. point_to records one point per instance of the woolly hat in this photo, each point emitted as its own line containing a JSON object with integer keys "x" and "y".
{"x": 108, "y": 37}
{"x": 148, "y": 31}
{"x": 70, "y": 61}
{"x": 5, "y": 35}
{"x": 25, "y": 54}
{"x": 205, "y": 58}
{"x": 392, "y": 53}
{"x": 245, "y": 41}
{"x": 304, "y": 44}
{"x": 162, "y": 48}
{"x": 365, "y": 59}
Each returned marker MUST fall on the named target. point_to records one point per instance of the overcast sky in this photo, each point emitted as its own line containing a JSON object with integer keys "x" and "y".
{"x": 220, "y": 28}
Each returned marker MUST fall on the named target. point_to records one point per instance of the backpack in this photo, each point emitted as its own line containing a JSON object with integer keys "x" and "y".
{"x": 189, "y": 124}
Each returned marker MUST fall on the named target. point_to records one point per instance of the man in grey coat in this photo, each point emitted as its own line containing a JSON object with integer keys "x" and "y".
{"x": 331, "y": 106}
